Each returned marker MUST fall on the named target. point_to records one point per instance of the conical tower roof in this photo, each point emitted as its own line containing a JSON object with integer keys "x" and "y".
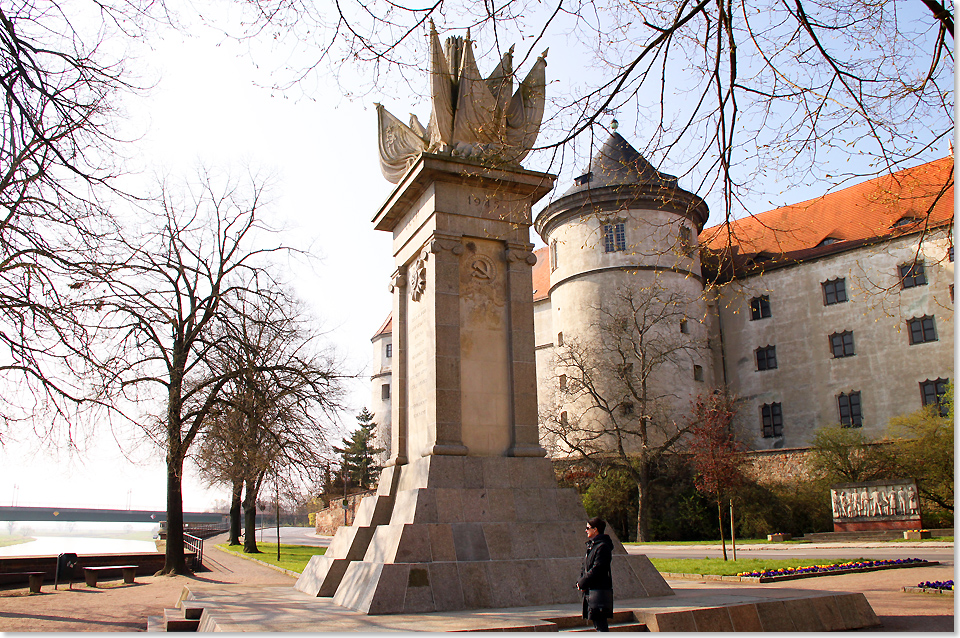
{"x": 619, "y": 178}
{"x": 617, "y": 163}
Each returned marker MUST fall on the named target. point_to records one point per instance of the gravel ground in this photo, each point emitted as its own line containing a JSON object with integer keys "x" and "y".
{"x": 119, "y": 607}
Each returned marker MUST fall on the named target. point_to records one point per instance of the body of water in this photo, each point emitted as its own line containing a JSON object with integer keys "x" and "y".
{"x": 52, "y": 538}
{"x": 53, "y": 545}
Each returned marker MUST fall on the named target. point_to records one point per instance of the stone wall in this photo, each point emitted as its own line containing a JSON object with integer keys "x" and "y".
{"x": 775, "y": 466}
{"x": 329, "y": 520}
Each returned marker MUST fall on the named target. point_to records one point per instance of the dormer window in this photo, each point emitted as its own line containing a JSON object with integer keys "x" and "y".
{"x": 584, "y": 179}
{"x": 827, "y": 241}
{"x": 906, "y": 220}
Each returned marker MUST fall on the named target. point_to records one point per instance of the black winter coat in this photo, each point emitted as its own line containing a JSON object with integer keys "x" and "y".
{"x": 596, "y": 581}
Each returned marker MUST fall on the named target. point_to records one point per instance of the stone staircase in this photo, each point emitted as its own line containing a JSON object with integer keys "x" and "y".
{"x": 185, "y": 618}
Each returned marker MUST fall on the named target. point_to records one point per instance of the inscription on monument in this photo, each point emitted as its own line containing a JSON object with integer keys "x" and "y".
{"x": 419, "y": 379}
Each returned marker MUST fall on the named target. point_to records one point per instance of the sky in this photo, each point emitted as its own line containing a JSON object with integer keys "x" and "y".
{"x": 209, "y": 106}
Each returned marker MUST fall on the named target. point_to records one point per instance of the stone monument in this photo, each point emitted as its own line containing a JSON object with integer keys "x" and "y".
{"x": 467, "y": 513}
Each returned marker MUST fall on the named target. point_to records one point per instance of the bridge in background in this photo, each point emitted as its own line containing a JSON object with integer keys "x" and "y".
{"x": 103, "y": 515}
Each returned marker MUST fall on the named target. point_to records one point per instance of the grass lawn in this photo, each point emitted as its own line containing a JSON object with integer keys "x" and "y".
{"x": 731, "y": 567}
{"x": 7, "y": 540}
{"x": 936, "y": 539}
{"x": 292, "y": 557}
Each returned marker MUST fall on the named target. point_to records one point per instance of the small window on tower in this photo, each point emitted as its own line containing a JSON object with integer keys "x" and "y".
{"x": 683, "y": 326}
{"x": 389, "y": 350}
{"x": 698, "y": 373}
{"x": 385, "y": 392}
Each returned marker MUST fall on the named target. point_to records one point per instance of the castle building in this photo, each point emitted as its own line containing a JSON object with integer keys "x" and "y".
{"x": 834, "y": 310}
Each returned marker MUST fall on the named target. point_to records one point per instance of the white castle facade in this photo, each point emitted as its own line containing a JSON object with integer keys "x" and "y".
{"x": 834, "y": 310}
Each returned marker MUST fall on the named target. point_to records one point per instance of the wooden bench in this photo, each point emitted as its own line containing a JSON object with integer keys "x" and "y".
{"x": 34, "y": 578}
{"x": 92, "y": 574}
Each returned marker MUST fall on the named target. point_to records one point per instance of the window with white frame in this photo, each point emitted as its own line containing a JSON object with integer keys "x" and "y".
{"x": 614, "y": 237}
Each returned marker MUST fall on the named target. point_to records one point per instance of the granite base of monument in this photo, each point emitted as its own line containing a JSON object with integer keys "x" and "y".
{"x": 450, "y": 533}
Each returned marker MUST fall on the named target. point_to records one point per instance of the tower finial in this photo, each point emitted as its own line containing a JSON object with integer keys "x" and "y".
{"x": 614, "y": 124}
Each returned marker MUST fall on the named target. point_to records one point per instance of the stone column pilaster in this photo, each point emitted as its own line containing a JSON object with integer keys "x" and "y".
{"x": 398, "y": 410}
{"x": 525, "y": 432}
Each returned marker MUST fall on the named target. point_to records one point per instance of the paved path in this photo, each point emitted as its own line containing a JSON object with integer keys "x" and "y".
{"x": 119, "y": 607}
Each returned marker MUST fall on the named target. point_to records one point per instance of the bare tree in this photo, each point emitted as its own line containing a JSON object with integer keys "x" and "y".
{"x": 743, "y": 95}
{"x": 276, "y": 409}
{"x": 718, "y": 455}
{"x": 58, "y": 168}
{"x": 618, "y": 399}
{"x": 160, "y": 302}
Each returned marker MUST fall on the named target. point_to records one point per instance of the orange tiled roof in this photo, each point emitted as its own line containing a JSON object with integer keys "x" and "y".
{"x": 541, "y": 274}
{"x": 386, "y": 328}
{"x": 850, "y": 217}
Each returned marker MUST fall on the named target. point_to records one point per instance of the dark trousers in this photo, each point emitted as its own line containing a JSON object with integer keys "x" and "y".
{"x": 600, "y": 624}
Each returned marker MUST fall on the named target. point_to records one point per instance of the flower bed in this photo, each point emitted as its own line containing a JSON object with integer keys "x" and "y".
{"x": 790, "y": 573}
{"x": 935, "y": 587}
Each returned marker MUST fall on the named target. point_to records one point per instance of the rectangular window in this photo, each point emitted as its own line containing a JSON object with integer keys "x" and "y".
{"x": 950, "y": 253}
{"x": 553, "y": 255}
{"x": 563, "y": 382}
{"x": 559, "y": 338}
{"x": 683, "y": 326}
{"x": 912, "y": 275}
{"x": 698, "y": 373}
{"x": 771, "y": 417}
{"x": 389, "y": 350}
{"x": 614, "y": 238}
{"x": 834, "y": 291}
{"x": 849, "y": 405}
{"x": 842, "y": 344}
{"x": 759, "y": 307}
{"x": 686, "y": 240}
{"x": 922, "y": 329}
{"x": 385, "y": 392}
{"x": 767, "y": 358}
{"x": 626, "y": 408}
{"x": 932, "y": 392}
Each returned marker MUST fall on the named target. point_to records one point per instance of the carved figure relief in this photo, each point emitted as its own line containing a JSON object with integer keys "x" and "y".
{"x": 875, "y": 501}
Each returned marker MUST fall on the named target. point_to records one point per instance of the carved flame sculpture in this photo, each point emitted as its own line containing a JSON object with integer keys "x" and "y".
{"x": 471, "y": 117}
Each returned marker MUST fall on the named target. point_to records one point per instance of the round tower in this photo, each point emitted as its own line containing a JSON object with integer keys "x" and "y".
{"x": 626, "y": 293}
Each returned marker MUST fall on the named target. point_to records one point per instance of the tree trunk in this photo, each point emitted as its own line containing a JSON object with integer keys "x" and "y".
{"x": 236, "y": 508}
{"x": 643, "y": 502}
{"x": 723, "y": 543}
{"x": 174, "y": 560}
{"x": 250, "y": 521}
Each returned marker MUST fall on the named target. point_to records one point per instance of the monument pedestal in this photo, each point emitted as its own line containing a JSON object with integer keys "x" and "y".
{"x": 470, "y": 533}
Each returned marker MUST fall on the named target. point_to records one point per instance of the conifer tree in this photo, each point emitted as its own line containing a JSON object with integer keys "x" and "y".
{"x": 359, "y": 451}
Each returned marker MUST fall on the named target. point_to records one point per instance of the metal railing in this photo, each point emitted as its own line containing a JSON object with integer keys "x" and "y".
{"x": 194, "y": 544}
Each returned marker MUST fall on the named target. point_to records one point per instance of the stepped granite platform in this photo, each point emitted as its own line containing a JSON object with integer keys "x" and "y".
{"x": 693, "y": 608}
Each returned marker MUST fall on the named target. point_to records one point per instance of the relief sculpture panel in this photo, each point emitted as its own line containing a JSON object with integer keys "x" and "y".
{"x": 875, "y": 505}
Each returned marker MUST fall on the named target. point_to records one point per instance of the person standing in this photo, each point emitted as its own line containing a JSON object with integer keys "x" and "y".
{"x": 596, "y": 581}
